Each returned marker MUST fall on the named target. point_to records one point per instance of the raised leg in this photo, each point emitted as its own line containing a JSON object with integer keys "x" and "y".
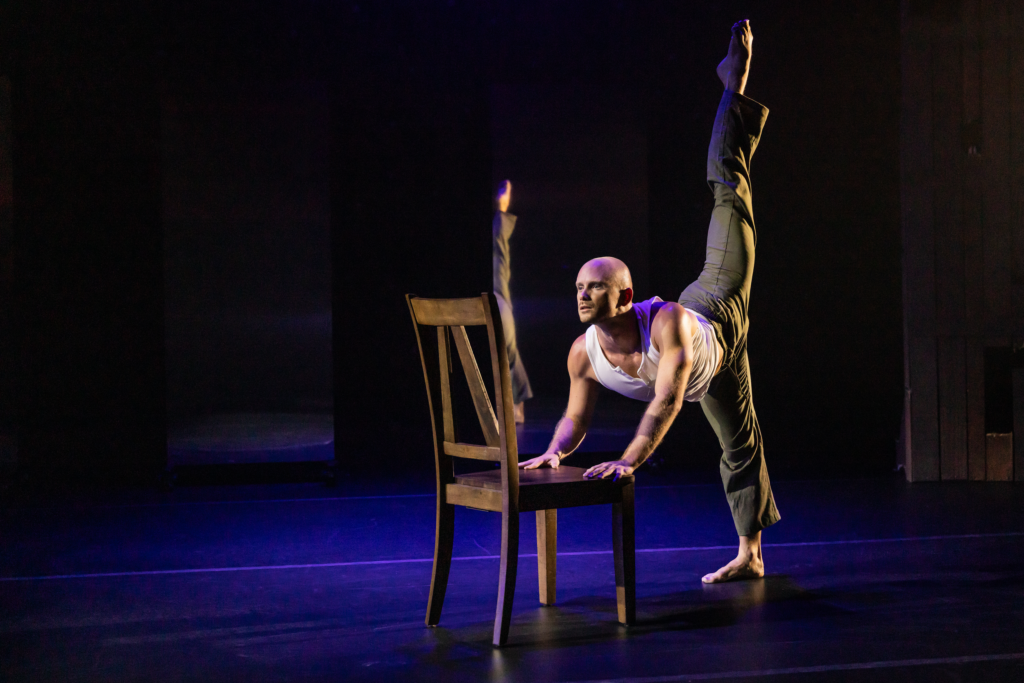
{"x": 624, "y": 544}
{"x": 506, "y": 575}
{"x": 443, "y": 540}
{"x": 547, "y": 547}
{"x": 722, "y": 290}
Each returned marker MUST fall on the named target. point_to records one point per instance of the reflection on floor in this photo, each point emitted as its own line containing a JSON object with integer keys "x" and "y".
{"x": 252, "y": 438}
{"x": 868, "y": 580}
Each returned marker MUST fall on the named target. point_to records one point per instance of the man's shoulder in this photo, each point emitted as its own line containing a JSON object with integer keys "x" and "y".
{"x": 579, "y": 349}
{"x": 671, "y": 322}
{"x": 579, "y": 358}
{"x": 666, "y": 310}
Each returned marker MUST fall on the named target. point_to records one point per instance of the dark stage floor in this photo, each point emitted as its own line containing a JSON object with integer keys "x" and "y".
{"x": 868, "y": 580}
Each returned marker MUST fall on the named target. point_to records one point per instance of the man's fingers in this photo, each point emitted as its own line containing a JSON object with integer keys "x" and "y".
{"x": 535, "y": 463}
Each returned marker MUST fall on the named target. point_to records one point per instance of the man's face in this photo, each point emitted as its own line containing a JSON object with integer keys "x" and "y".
{"x": 596, "y": 298}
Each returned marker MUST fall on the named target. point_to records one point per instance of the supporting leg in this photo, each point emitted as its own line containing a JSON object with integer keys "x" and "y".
{"x": 722, "y": 290}
{"x": 506, "y": 575}
{"x": 749, "y": 563}
{"x": 443, "y": 541}
{"x": 729, "y": 408}
{"x": 547, "y": 547}
{"x": 624, "y": 544}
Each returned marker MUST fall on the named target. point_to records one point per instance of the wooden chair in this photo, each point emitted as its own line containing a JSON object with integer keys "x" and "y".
{"x": 507, "y": 490}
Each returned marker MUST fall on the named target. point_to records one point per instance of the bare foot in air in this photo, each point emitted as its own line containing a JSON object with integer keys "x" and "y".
{"x": 734, "y": 69}
{"x": 748, "y": 563}
{"x": 519, "y": 413}
{"x": 503, "y": 198}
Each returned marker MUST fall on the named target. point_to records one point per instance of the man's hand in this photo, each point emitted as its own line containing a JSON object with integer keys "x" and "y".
{"x": 547, "y": 460}
{"x": 614, "y": 469}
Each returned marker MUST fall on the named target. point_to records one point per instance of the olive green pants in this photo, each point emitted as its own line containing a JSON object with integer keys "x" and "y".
{"x": 722, "y": 294}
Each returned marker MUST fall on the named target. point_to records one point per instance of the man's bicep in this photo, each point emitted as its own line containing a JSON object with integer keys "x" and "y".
{"x": 583, "y": 393}
{"x": 676, "y": 355}
{"x": 583, "y": 387}
{"x": 672, "y": 329}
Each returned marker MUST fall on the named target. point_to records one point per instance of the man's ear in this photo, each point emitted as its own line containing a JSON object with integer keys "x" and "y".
{"x": 625, "y": 297}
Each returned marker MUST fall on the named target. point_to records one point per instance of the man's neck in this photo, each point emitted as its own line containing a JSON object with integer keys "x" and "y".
{"x": 620, "y": 333}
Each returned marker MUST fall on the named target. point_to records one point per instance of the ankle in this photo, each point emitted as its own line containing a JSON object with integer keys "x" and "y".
{"x": 750, "y": 546}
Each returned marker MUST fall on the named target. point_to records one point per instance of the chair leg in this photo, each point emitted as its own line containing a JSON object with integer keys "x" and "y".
{"x": 443, "y": 541}
{"x": 547, "y": 547}
{"x": 624, "y": 544}
{"x": 506, "y": 576}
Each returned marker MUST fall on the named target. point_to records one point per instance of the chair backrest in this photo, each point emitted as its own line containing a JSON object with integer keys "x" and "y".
{"x": 451, "y": 317}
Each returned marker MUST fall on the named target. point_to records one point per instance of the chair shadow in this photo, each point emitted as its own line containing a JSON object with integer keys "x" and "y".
{"x": 593, "y": 620}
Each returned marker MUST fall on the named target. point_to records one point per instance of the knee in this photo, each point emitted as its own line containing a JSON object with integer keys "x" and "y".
{"x": 736, "y": 457}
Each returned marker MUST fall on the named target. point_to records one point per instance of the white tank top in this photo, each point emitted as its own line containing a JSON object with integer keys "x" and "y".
{"x": 706, "y": 356}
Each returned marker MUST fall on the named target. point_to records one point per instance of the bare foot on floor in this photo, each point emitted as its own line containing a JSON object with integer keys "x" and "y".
{"x": 749, "y": 563}
{"x": 735, "y": 68}
{"x": 739, "y": 569}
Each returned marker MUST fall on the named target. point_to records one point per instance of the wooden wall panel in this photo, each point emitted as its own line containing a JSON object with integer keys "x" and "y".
{"x": 962, "y": 194}
{"x": 948, "y": 159}
{"x": 917, "y": 218}
{"x": 971, "y": 146}
{"x": 916, "y": 193}
{"x": 973, "y": 236}
{"x": 996, "y": 197}
{"x": 952, "y": 385}
{"x": 975, "y": 386}
{"x": 1017, "y": 163}
{"x": 1018, "y": 424}
{"x": 999, "y": 457}
{"x": 948, "y": 163}
{"x": 923, "y": 463}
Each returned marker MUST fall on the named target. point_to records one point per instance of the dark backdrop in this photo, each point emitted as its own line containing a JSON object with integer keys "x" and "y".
{"x": 411, "y": 177}
{"x": 247, "y": 259}
{"x": 577, "y": 155}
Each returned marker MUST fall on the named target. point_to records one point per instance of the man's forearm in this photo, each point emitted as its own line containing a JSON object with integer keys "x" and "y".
{"x": 568, "y": 435}
{"x": 657, "y": 419}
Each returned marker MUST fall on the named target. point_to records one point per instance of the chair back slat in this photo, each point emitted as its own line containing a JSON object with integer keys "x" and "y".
{"x": 481, "y": 400}
{"x": 473, "y": 451}
{"x": 503, "y": 399}
{"x": 451, "y": 317}
{"x": 449, "y": 312}
{"x": 444, "y": 353}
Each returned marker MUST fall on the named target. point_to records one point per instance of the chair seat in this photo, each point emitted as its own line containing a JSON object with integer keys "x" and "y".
{"x": 547, "y": 488}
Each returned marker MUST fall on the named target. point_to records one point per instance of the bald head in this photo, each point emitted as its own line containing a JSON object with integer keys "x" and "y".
{"x": 604, "y": 289}
{"x": 609, "y": 270}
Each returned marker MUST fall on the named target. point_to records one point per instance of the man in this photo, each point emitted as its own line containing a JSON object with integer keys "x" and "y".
{"x": 501, "y": 230}
{"x": 695, "y": 350}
